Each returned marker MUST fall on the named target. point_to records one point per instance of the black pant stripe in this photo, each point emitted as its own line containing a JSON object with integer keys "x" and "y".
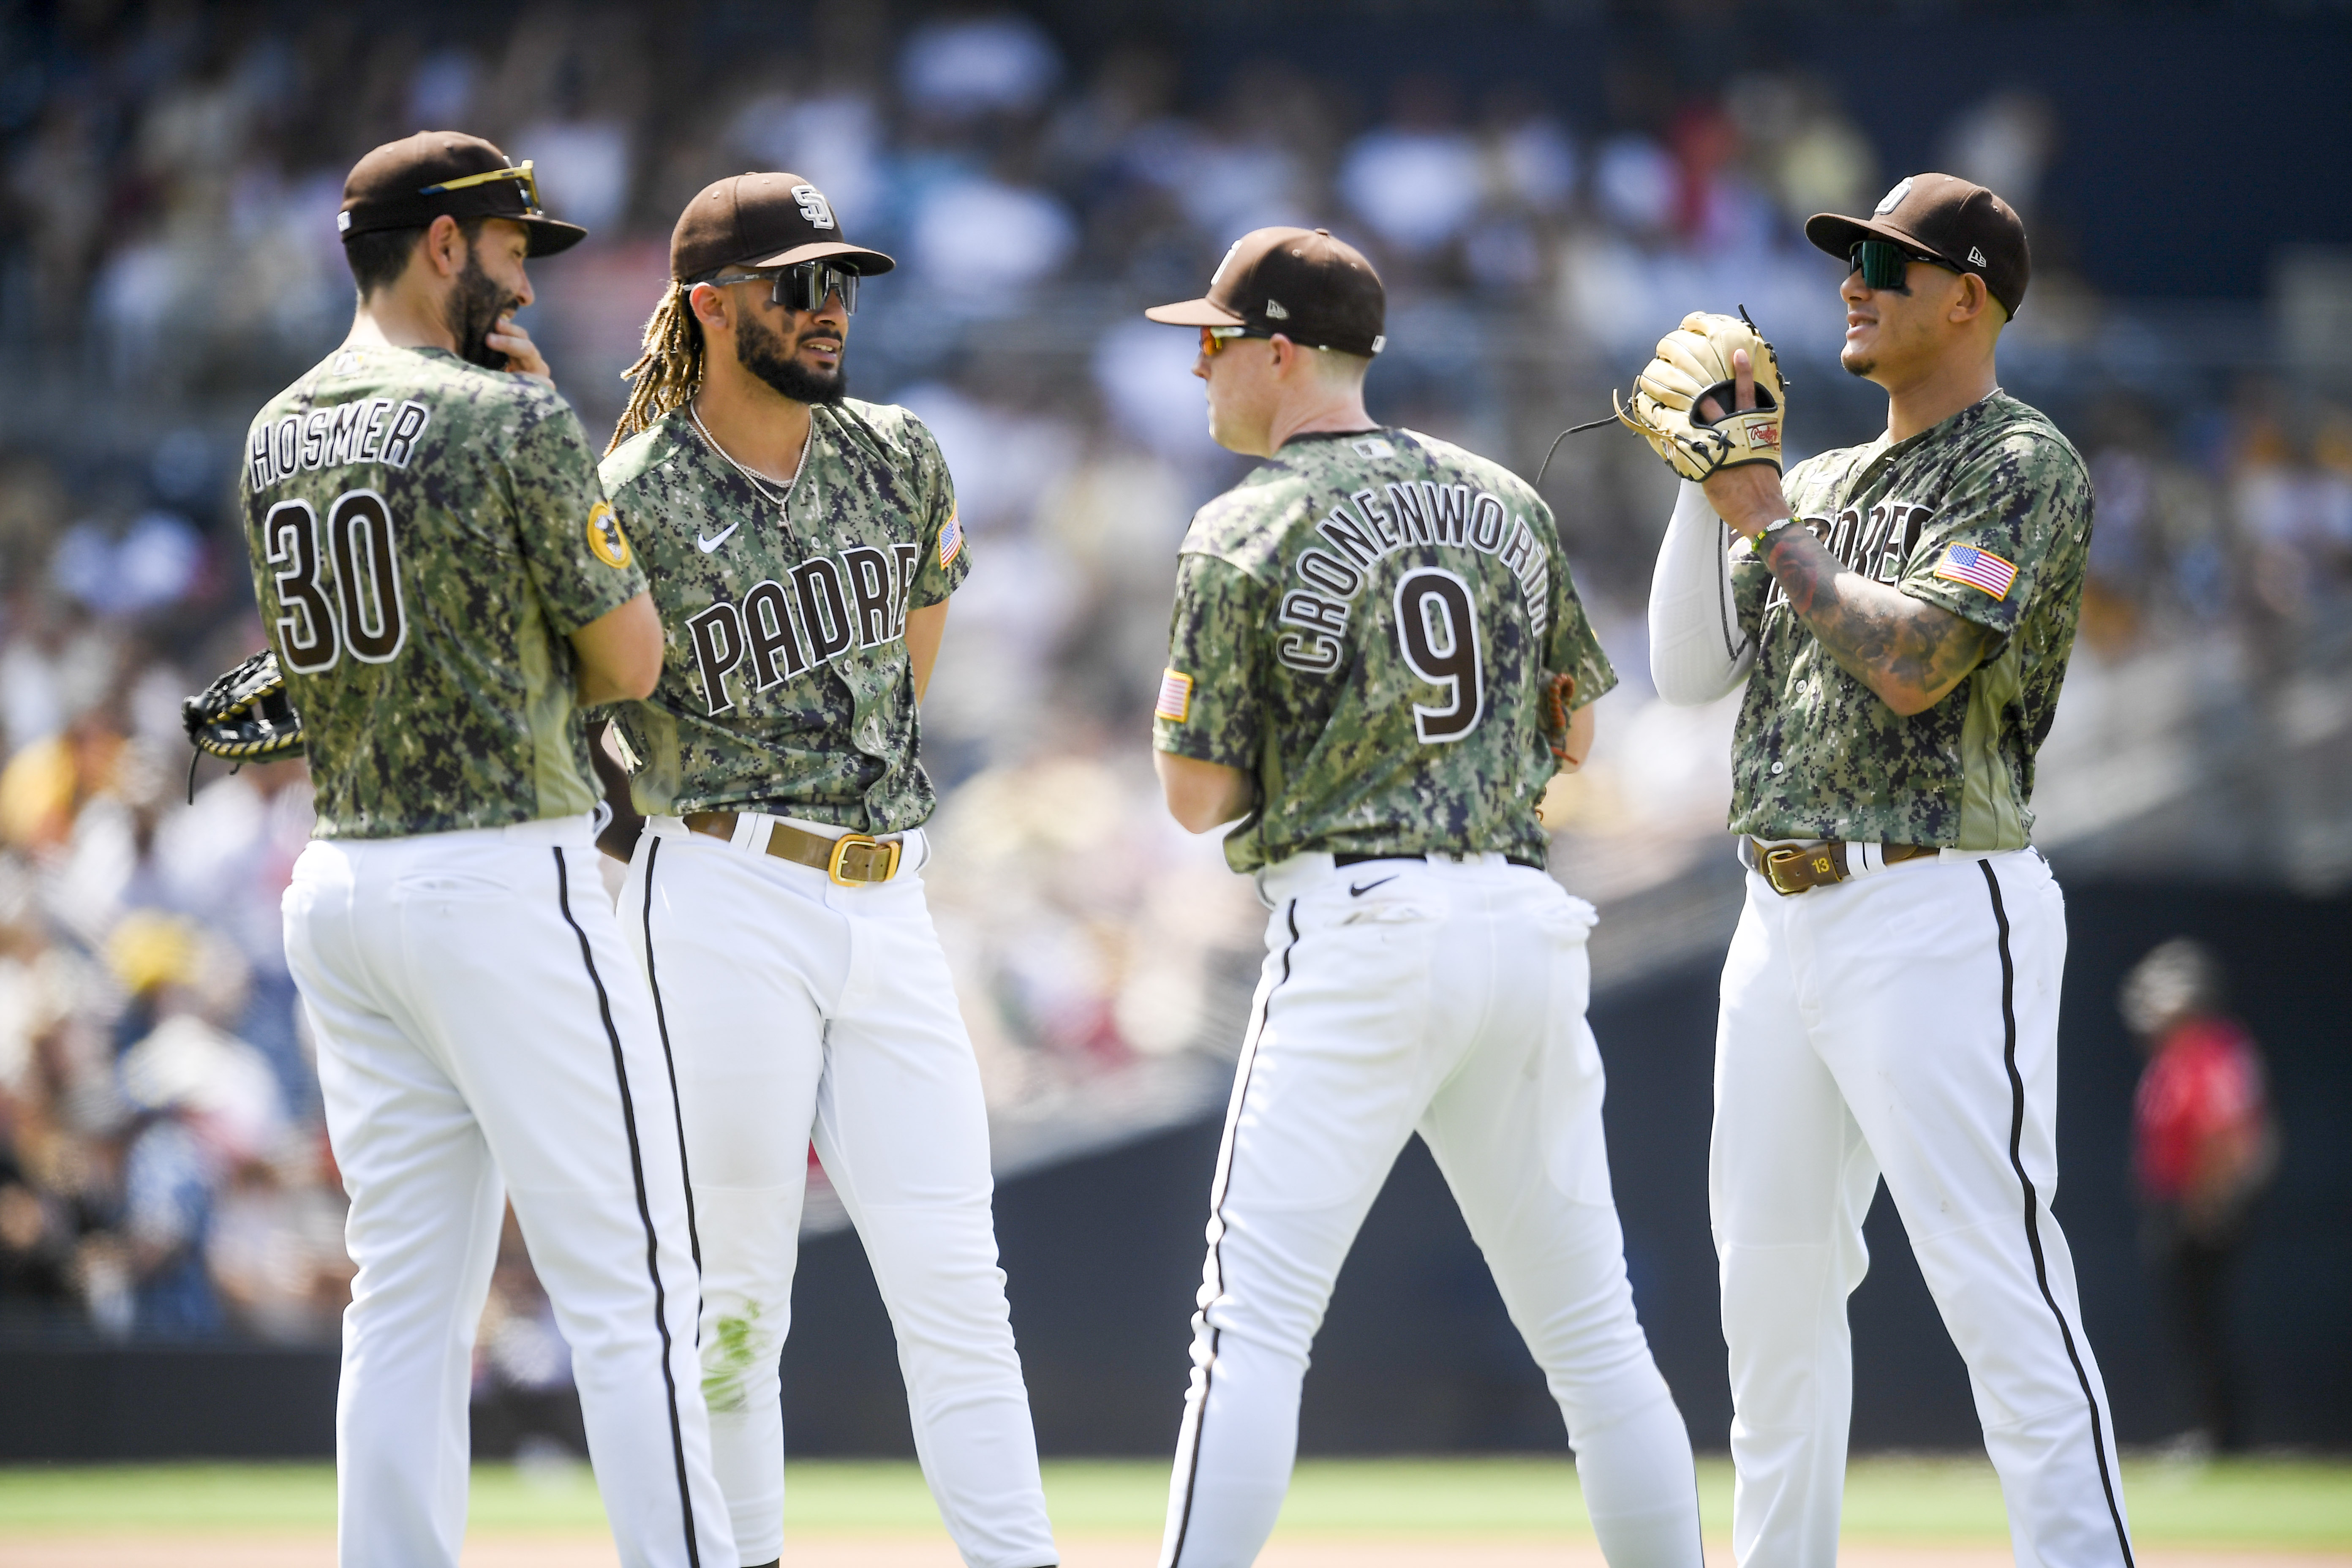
{"x": 2033, "y": 1205}
{"x": 661, "y": 1021}
{"x": 1198, "y": 1415}
{"x": 644, "y": 1206}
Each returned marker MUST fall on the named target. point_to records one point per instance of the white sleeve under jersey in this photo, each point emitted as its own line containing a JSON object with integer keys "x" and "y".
{"x": 1698, "y": 650}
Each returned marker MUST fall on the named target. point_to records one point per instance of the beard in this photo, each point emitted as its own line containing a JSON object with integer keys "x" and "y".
{"x": 762, "y": 353}
{"x": 475, "y": 309}
{"x": 1857, "y": 364}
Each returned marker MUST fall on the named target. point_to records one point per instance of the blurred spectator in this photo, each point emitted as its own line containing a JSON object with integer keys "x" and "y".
{"x": 524, "y": 1402}
{"x": 960, "y": 69}
{"x": 2204, "y": 1147}
{"x": 984, "y": 243}
{"x": 275, "y": 1247}
{"x": 1417, "y": 179}
{"x": 2005, "y": 143}
{"x": 1808, "y": 155}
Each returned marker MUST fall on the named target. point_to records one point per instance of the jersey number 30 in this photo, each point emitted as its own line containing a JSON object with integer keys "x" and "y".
{"x": 364, "y": 612}
{"x": 1437, "y": 632}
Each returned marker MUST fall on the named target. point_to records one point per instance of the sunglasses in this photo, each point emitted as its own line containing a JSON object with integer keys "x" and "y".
{"x": 803, "y": 287}
{"x": 1215, "y": 339}
{"x": 521, "y": 174}
{"x": 1886, "y": 265}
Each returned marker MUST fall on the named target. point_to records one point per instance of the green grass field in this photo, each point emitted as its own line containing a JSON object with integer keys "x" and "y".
{"x": 2256, "y": 1503}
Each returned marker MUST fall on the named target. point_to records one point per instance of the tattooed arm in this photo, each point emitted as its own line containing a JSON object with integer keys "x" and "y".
{"x": 1909, "y": 652}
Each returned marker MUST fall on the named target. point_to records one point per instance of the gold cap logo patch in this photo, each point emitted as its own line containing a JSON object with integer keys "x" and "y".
{"x": 605, "y": 540}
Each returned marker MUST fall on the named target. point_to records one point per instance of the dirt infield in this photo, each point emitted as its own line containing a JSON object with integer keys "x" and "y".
{"x": 304, "y": 1551}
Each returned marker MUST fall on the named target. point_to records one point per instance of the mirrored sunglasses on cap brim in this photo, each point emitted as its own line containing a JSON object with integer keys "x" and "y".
{"x": 1885, "y": 264}
{"x": 521, "y": 174}
{"x": 803, "y": 287}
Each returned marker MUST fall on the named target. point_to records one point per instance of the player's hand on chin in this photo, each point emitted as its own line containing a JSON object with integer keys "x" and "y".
{"x": 523, "y": 357}
{"x": 1749, "y": 496}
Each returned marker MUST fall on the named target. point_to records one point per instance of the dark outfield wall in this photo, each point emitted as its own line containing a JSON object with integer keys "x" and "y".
{"x": 1104, "y": 1255}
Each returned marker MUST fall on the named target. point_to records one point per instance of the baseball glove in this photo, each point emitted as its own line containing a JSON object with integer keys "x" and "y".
{"x": 1558, "y": 695}
{"x": 244, "y": 717}
{"x": 1694, "y": 363}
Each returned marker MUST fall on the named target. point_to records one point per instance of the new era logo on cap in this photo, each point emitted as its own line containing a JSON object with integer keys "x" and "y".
{"x": 1977, "y": 257}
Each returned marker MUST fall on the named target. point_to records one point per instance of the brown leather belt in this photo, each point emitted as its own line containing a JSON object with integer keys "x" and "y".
{"x": 852, "y": 861}
{"x": 1796, "y": 868}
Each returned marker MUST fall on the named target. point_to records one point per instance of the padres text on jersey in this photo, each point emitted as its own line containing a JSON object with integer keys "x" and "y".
{"x": 1987, "y": 515}
{"x": 1365, "y": 624}
{"x": 425, "y": 534}
{"x": 785, "y": 681}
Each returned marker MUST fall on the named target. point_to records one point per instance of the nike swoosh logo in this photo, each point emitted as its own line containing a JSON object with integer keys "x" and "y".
{"x": 707, "y": 545}
{"x": 1356, "y": 892}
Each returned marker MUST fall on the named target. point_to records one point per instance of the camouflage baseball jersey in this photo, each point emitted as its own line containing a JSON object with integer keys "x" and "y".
{"x": 1987, "y": 515}
{"x": 1365, "y": 625}
{"x": 425, "y": 535}
{"x": 786, "y": 685}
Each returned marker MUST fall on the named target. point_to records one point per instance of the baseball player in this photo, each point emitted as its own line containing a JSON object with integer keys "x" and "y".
{"x": 801, "y": 547}
{"x": 1900, "y": 614}
{"x": 1378, "y": 662}
{"x": 445, "y": 588}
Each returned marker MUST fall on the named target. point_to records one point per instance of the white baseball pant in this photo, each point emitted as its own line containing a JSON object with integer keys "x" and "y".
{"x": 1446, "y": 998}
{"x": 1906, "y": 1022}
{"x": 797, "y": 1009}
{"x": 483, "y": 1032}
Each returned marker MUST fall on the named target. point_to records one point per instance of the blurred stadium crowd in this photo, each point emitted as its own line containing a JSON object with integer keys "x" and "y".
{"x": 168, "y": 257}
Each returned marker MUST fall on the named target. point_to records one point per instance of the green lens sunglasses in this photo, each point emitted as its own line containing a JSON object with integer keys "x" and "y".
{"x": 1886, "y": 265}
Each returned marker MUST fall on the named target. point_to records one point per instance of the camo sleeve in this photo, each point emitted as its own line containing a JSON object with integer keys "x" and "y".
{"x": 1208, "y": 708}
{"x": 578, "y": 560}
{"x": 944, "y": 563}
{"x": 2006, "y": 514}
{"x": 1571, "y": 646}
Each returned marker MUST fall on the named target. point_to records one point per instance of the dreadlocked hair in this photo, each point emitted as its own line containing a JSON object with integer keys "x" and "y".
{"x": 669, "y": 372}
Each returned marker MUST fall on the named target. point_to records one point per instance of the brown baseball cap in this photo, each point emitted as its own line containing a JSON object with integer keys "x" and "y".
{"x": 409, "y": 183}
{"x": 1965, "y": 227}
{"x": 762, "y": 220}
{"x": 1312, "y": 289}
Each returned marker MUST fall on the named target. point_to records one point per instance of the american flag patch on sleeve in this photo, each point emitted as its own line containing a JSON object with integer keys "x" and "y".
{"x": 1175, "y": 697}
{"x": 950, "y": 540}
{"x": 1977, "y": 568}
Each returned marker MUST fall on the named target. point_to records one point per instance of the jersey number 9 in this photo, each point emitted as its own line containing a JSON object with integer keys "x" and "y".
{"x": 1437, "y": 632}
{"x": 364, "y": 613}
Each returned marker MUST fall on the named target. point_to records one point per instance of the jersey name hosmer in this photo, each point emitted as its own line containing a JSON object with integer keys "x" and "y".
{"x": 1373, "y": 523}
{"x": 854, "y": 600}
{"x": 362, "y": 430}
{"x": 425, "y": 535}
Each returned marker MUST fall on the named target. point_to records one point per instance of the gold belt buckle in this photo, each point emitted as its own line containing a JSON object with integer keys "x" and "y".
{"x": 837, "y": 865}
{"x": 1809, "y": 868}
